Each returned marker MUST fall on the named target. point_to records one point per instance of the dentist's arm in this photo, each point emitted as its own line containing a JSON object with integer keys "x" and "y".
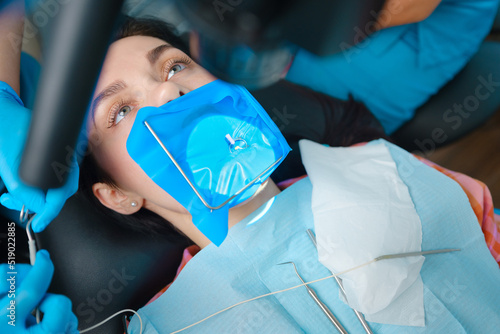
{"x": 11, "y": 35}
{"x": 14, "y": 127}
{"x": 400, "y": 12}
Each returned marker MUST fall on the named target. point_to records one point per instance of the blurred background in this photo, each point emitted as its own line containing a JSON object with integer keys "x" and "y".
{"x": 475, "y": 154}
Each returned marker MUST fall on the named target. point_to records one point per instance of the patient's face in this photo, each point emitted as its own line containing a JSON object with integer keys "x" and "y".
{"x": 138, "y": 71}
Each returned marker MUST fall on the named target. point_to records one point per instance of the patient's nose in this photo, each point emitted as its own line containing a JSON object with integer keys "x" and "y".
{"x": 166, "y": 92}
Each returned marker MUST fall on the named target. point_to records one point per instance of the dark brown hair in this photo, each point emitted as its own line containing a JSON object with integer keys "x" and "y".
{"x": 152, "y": 28}
{"x": 346, "y": 123}
{"x": 91, "y": 172}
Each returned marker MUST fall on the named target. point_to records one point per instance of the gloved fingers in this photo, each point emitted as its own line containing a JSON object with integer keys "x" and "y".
{"x": 55, "y": 201}
{"x": 57, "y": 316}
{"x": 48, "y": 214}
{"x": 32, "y": 199}
{"x": 72, "y": 326}
{"x": 10, "y": 202}
{"x": 20, "y": 270}
{"x": 34, "y": 286}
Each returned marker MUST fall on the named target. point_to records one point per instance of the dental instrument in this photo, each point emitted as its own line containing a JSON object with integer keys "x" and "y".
{"x": 23, "y": 216}
{"x": 322, "y": 305}
{"x": 31, "y": 240}
{"x": 383, "y": 257}
{"x": 399, "y": 255}
{"x": 194, "y": 188}
{"x": 359, "y": 315}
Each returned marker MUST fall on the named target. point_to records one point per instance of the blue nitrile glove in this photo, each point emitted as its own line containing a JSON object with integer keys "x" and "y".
{"x": 18, "y": 300}
{"x": 14, "y": 126}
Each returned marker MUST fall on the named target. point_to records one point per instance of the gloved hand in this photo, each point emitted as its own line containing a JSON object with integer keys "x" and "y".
{"x": 14, "y": 126}
{"x": 31, "y": 283}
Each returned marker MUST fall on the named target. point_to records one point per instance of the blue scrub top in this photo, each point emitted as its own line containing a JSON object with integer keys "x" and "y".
{"x": 395, "y": 70}
{"x": 30, "y": 74}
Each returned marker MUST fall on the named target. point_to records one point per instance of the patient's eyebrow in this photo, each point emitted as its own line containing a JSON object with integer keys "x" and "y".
{"x": 155, "y": 53}
{"x": 112, "y": 89}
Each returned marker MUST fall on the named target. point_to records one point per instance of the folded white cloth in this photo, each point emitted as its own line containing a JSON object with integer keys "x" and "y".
{"x": 362, "y": 209}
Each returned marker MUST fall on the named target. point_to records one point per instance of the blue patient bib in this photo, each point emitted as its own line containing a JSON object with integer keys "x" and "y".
{"x": 461, "y": 289}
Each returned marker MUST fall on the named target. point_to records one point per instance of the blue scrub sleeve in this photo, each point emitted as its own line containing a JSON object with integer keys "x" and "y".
{"x": 396, "y": 70}
{"x": 30, "y": 73}
{"x": 6, "y": 92}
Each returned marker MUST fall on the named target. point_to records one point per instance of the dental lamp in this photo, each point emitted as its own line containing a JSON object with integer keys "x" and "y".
{"x": 248, "y": 42}
{"x": 251, "y": 43}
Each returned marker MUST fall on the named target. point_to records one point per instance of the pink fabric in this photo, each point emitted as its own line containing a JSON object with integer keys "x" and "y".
{"x": 477, "y": 192}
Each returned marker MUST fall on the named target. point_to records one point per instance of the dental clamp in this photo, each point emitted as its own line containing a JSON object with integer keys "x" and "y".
{"x": 23, "y": 216}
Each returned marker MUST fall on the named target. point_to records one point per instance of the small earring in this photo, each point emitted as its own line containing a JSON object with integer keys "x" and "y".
{"x": 134, "y": 204}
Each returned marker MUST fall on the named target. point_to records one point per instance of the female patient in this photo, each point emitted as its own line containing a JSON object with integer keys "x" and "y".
{"x": 147, "y": 67}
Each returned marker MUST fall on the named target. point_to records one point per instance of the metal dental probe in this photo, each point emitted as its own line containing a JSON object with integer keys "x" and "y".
{"x": 339, "y": 282}
{"x": 23, "y": 216}
{"x": 323, "y": 307}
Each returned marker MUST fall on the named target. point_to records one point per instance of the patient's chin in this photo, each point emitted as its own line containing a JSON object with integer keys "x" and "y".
{"x": 255, "y": 194}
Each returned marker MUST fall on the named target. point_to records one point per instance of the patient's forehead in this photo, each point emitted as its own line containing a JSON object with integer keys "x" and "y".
{"x": 126, "y": 56}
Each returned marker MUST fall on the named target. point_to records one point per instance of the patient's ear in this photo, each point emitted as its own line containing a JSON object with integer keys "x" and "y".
{"x": 116, "y": 200}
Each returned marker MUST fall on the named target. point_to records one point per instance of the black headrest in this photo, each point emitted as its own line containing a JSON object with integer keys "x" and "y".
{"x": 103, "y": 267}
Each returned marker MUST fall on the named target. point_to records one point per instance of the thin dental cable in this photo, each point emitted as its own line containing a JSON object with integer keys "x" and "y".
{"x": 383, "y": 257}
{"x": 111, "y": 317}
{"x": 32, "y": 251}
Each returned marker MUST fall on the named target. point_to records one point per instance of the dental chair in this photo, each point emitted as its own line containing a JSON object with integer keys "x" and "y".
{"x": 103, "y": 267}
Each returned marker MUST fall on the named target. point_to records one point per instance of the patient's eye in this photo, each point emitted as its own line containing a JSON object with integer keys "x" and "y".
{"x": 175, "y": 69}
{"x": 118, "y": 112}
{"x": 174, "y": 65}
{"x": 122, "y": 113}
